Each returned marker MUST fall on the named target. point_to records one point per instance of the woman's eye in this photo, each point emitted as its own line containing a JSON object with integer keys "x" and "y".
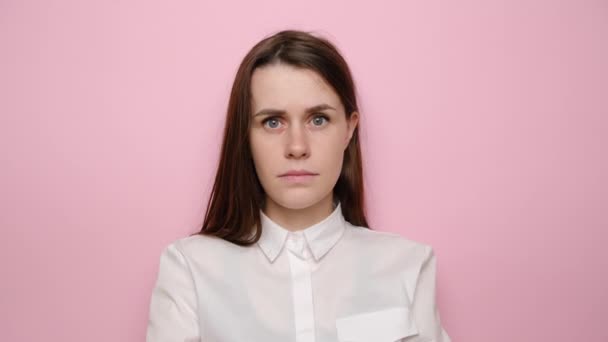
{"x": 273, "y": 122}
{"x": 319, "y": 120}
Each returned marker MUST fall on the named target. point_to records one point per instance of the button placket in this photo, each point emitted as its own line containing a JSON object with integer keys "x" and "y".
{"x": 297, "y": 245}
{"x": 302, "y": 288}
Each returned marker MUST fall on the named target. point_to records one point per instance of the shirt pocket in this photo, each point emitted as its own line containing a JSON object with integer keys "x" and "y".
{"x": 384, "y": 325}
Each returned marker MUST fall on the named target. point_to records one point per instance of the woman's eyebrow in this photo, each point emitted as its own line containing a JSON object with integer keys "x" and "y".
{"x": 270, "y": 111}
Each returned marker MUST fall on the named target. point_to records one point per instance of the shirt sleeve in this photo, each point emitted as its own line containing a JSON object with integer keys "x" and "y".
{"x": 424, "y": 306}
{"x": 172, "y": 315}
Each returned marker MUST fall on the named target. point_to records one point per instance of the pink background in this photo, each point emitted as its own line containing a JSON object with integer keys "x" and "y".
{"x": 484, "y": 131}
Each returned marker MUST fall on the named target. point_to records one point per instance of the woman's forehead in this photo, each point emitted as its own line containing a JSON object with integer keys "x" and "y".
{"x": 283, "y": 87}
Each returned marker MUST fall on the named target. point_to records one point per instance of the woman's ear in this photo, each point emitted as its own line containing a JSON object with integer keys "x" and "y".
{"x": 351, "y": 124}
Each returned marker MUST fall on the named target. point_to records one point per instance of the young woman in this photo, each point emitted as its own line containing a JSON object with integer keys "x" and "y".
{"x": 285, "y": 252}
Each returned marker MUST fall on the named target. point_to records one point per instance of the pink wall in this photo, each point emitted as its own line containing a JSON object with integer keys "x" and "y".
{"x": 484, "y": 130}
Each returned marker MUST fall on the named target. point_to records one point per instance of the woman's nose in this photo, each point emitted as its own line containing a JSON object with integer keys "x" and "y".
{"x": 297, "y": 142}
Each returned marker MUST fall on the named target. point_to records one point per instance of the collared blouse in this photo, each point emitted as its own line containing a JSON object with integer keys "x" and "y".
{"x": 332, "y": 281}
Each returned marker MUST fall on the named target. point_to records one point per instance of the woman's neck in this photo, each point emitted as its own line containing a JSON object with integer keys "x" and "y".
{"x": 298, "y": 219}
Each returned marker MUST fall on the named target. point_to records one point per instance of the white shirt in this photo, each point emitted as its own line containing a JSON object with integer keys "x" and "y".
{"x": 332, "y": 281}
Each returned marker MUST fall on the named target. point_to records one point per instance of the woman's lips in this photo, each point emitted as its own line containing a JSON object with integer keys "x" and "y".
{"x": 298, "y": 178}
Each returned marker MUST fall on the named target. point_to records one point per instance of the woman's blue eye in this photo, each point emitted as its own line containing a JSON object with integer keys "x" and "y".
{"x": 325, "y": 118}
{"x": 270, "y": 120}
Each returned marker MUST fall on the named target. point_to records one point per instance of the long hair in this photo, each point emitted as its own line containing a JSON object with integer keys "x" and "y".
{"x": 237, "y": 195}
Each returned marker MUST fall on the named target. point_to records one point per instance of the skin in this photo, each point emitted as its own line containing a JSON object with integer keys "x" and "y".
{"x": 297, "y": 139}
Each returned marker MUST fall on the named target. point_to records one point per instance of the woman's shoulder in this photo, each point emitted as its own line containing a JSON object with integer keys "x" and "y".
{"x": 386, "y": 242}
{"x": 198, "y": 245}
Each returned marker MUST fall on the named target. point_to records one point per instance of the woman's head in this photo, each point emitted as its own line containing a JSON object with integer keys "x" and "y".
{"x": 292, "y": 107}
{"x": 298, "y": 124}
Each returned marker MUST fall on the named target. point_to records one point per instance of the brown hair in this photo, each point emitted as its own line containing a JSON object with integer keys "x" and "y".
{"x": 237, "y": 195}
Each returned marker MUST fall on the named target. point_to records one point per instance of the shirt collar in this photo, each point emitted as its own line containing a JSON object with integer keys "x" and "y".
{"x": 320, "y": 237}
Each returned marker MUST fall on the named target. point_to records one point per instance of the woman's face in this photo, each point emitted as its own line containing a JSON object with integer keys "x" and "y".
{"x": 288, "y": 133}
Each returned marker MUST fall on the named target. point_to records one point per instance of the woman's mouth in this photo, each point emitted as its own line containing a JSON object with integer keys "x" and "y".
{"x": 298, "y": 176}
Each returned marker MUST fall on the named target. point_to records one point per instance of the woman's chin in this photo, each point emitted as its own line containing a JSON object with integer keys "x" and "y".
{"x": 297, "y": 199}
